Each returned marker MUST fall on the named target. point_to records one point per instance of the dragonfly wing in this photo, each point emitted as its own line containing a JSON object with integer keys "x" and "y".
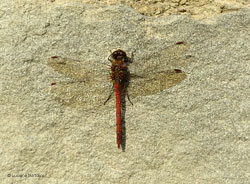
{"x": 69, "y": 67}
{"x": 86, "y": 91}
{"x": 153, "y": 83}
{"x": 173, "y": 56}
{"x": 85, "y": 95}
{"x": 153, "y": 79}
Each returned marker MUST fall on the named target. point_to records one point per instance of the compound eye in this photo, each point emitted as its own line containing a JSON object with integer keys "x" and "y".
{"x": 115, "y": 55}
{"x": 118, "y": 54}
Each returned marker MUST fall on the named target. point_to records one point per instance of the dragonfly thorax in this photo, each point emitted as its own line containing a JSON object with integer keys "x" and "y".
{"x": 118, "y": 72}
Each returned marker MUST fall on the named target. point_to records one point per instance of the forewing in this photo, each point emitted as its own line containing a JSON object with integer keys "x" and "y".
{"x": 70, "y": 68}
{"x": 174, "y": 56}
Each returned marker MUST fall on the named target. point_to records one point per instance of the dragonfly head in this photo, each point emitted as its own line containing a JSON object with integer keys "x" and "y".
{"x": 119, "y": 55}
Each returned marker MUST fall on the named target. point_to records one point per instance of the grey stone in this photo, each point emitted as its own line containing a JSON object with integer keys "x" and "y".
{"x": 197, "y": 131}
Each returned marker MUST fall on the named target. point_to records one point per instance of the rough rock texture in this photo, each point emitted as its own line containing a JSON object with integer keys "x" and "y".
{"x": 194, "y": 132}
{"x": 199, "y": 9}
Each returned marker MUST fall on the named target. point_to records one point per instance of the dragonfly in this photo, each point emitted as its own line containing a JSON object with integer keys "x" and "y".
{"x": 90, "y": 90}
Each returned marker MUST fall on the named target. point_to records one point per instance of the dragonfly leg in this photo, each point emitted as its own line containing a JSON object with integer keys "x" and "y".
{"x": 135, "y": 76}
{"x": 128, "y": 97}
{"x": 109, "y": 58}
{"x": 132, "y": 56}
{"x": 111, "y": 93}
{"x": 131, "y": 59}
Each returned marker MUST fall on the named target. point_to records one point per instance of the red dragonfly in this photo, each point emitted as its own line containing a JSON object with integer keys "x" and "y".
{"x": 88, "y": 89}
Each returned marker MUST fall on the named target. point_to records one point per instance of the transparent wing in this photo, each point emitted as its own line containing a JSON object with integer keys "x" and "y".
{"x": 173, "y": 56}
{"x": 86, "y": 95}
{"x": 154, "y": 73}
{"x": 71, "y": 68}
{"x": 152, "y": 83}
{"x": 87, "y": 89}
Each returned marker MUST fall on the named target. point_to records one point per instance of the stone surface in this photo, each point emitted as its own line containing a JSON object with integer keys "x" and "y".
{"x": 199, "y": 9}
{"x": 194, "y": 132}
